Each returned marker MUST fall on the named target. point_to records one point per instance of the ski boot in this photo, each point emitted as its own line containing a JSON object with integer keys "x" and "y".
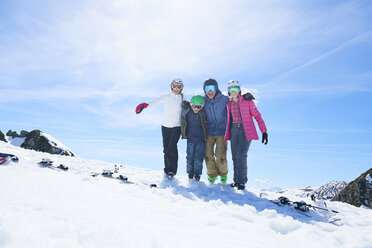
{"x": 241, "y": 186}
{"x": 197, "y": 178}
{"x": 170, "y": 175}
{"x": 223, "y": 179}
{"x": 212, "y": 179}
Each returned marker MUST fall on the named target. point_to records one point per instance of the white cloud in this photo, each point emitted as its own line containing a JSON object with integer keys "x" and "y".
{"x": 263, "y": 180}
{"x": 115, "y": 51}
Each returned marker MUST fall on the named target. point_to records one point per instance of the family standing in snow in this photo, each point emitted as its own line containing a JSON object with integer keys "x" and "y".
{"x": 208, "y": 123}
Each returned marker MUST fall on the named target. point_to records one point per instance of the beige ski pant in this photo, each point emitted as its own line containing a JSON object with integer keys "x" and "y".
{"x": 215, "y": 159}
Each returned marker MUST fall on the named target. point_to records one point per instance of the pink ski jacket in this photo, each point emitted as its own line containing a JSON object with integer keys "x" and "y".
{"x": 248, "y": 110}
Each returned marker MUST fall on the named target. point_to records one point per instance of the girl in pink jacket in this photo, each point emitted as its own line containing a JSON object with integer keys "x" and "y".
{"x": 241, "y": 131}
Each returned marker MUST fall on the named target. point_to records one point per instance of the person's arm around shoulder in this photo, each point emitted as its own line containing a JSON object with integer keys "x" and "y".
{"x": 248, "y": 97}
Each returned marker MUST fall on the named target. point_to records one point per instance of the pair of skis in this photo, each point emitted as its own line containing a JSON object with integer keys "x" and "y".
{"x": 114, "y": 175}
{"x": 48, "y": 163}
{"x": 303, "y": 207}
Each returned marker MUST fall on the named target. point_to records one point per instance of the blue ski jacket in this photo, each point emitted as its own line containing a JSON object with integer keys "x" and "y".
{"x": 216, "y": 113}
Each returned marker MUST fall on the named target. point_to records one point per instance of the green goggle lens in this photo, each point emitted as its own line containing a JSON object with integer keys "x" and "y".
{"x": 234, "y": 89}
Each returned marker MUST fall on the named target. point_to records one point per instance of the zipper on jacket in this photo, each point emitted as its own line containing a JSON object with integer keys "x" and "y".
{"x": 214, "y": 115}
{"x": 241, "y": 116}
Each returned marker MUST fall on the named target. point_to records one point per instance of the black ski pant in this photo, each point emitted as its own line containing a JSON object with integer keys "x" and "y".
{"x": 239, "y": 151}
{"x": 170, "y": 140}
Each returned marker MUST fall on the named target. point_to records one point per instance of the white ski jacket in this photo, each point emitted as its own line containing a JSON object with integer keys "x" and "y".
{"x": 172, "y": 109}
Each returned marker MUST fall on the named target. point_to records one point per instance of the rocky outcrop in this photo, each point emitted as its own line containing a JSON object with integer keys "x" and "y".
{"x": 36, "y": 141}
{"x": 358, "y": 192}
{"x": 12, "y": 134}
{"x": 2, "y": 136}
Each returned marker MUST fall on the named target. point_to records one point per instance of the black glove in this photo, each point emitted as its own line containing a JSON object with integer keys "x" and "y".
{"x": 248, "y": 96}
{"x": 265, "y": 138}
{"x": 186, "y": 104}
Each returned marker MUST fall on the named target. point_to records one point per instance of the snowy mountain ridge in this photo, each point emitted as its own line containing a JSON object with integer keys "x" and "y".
{"x": 44, "y": 207}
{"x": 325, "y": 192}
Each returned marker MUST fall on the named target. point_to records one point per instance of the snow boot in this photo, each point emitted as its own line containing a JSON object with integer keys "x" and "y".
{"x": 170, "y": 175}
{"x": 197, "y": 178}
{"x": 191, "y": 176}
{"x": 241, "y": 186}
{"x": 212, "y": 179}
{"x": 223, "y": 179}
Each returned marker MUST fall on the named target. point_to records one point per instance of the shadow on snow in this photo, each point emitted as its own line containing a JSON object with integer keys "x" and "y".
{"x": 226, "y": 194}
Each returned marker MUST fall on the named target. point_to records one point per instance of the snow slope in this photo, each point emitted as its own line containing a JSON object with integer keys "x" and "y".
{"x": 41, "y": 207}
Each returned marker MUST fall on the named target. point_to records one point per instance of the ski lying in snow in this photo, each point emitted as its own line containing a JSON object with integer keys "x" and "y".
{"x": 303, "y": 207}
{"x": 122, "y": 178}
{"x": 5, "y": 158}
{"x": 110, "y": 174}
{"x": 46, "y": 162}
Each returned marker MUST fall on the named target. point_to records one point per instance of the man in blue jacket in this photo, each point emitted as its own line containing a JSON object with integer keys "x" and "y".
{"x": 216, "y": 113}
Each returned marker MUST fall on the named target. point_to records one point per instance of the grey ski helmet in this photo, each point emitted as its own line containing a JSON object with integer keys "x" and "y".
{"x": 177, "y": 81}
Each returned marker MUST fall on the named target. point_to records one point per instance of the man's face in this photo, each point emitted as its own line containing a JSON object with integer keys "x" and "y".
{"x": 211, "y": 94}
{"x": 210, "y": 91}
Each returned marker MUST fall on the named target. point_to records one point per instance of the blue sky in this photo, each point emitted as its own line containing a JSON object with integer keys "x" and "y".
{"x": 77, "y": 69}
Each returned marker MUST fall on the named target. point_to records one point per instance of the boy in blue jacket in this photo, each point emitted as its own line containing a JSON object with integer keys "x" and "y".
{"x": 193, "y": 128}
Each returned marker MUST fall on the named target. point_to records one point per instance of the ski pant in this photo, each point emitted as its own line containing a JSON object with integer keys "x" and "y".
{"x": 239, "y": 150}
{"x": 216, "y": 159}
{"x": 195, "y": 156}
{"x": 170, "y": 140}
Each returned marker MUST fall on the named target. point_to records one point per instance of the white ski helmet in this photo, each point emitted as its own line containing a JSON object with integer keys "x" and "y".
{"x": 232, "y": 83}
{"x": 177, "y": 81}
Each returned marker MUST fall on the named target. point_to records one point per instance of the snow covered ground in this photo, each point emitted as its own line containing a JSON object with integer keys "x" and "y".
{"x": 42, "y": 207}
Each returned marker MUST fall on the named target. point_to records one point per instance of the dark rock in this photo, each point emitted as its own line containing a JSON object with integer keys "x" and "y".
{"x": 358, "y": 192}
{"x": 2, "y": 136}
{"x": 23, "y": 134}
{"x": 12, "y": 134}
{"x": 37, "y": 142}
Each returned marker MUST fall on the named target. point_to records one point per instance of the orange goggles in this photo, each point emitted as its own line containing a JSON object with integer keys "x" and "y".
{"x": 177, "y": 86}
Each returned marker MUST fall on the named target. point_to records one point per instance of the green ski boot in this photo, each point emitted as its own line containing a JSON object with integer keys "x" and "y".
{"x": 223, "y": 179}
{"x": 212, "y": 179}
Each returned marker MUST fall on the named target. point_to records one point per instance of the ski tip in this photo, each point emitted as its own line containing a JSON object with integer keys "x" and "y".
{"x": 123, "y": 178}
{"x": 63, "y": 167}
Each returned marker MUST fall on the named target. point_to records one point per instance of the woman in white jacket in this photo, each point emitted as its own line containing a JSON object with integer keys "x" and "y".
{"x": 171, "y": 124}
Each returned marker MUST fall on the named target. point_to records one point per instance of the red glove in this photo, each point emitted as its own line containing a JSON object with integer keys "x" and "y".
{"x": 141, "y": 107}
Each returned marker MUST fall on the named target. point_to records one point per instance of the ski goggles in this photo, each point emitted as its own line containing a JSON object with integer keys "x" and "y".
{"x": 234, "y": 89}
{"x": 177, "y": 86}
{"x": 208, "y": 88}
{"x": 198, "y": 107}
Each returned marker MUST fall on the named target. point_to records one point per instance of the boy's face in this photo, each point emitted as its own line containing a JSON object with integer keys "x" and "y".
{"x": 196, "y": 108}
